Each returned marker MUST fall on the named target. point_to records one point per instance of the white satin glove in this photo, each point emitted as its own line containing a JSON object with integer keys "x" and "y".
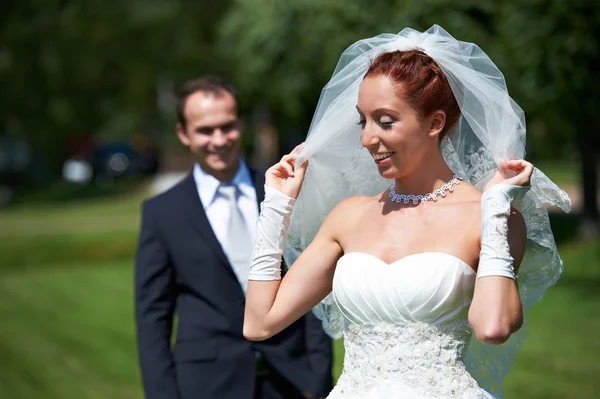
{"x": 495, "y": 258}
{"x": 271, "y": 232}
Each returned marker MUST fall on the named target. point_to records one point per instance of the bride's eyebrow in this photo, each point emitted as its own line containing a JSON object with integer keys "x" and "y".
{"x": 382, "y": 110}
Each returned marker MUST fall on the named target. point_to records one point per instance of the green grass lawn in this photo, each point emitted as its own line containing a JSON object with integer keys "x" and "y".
{"x": 68, "y": 333}
{"x": 560, "y": 357}
{"x": 66, "y": 306}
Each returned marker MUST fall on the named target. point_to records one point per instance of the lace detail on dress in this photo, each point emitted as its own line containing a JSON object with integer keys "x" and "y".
{"x": 426, "y": 358}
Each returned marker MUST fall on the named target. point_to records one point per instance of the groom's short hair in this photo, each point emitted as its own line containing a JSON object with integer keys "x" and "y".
{"x": 210, "y": 84}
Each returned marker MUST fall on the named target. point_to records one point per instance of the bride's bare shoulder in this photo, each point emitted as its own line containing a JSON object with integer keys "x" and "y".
{"x": 348, "y": 208}
{"x": 345, "y": 216}
{"x": 466, "y": 193}
{"x": 470, "y": 190}
{"x": 352, "y": 204}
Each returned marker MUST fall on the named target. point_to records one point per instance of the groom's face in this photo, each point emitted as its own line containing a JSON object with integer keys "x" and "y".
{"x": 213, "y": 132}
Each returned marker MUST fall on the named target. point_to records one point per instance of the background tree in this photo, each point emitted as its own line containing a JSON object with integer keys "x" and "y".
{"x": 297, "y": 44}
{"x": 71, "y": 69}
{"x": 553, "y": 54}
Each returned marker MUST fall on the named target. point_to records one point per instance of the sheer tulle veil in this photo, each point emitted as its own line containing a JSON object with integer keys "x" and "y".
{"x": 491, "y": 130}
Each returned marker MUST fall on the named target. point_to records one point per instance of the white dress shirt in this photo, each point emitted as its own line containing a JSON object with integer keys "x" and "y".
{"x": 216, "y": 206}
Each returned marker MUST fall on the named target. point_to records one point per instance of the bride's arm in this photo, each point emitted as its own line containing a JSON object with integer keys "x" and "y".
{"x": 273, "y": 303}
{"x": 496, "y": 310}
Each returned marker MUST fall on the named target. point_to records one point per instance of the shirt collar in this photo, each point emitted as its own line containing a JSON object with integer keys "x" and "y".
{"x": 207, "y": 184}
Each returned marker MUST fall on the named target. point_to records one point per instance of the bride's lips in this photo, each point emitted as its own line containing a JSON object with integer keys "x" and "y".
{"x": 381, "y": 158}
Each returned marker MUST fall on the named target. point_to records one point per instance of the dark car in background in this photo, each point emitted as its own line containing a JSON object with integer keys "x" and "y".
{"x": 107, "y": 161}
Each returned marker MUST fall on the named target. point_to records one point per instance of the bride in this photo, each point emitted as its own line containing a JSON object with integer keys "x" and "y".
{"x": 412, "y": 271}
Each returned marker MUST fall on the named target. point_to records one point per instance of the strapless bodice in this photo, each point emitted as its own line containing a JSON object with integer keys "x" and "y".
{"x": 429, "y": 287}
{"x": 406, "y": 327}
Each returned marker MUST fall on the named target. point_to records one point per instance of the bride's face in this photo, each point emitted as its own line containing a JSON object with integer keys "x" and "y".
{"x": 397, "y": 137}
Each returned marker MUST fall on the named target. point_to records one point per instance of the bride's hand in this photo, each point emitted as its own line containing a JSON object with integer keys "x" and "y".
{"x": 515, "y": 172}
{"x": 284, "y": 178}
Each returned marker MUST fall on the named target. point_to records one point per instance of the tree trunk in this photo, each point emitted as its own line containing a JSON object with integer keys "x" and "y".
{"x": 590, "y": 226}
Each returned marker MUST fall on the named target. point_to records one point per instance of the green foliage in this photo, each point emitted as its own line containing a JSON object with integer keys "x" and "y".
{"x": 548, "y": 50}
{"x": 75, "y": 68}
{"x": 297, "y": 44}
{"x": 552, "y": 54}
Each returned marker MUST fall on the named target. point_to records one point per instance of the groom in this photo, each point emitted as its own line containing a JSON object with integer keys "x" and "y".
{"x": 192, "y": 261}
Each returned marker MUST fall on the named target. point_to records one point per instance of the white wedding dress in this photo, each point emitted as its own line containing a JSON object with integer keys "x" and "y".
{"x": 405, "y": 324}
{"x": 406, "y": 327}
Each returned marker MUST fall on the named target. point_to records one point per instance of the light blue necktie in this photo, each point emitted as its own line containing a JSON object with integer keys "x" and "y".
{"x": 238, "y": 242}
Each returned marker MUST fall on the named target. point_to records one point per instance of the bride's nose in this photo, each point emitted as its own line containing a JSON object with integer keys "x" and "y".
{"x": 368, "y": 137}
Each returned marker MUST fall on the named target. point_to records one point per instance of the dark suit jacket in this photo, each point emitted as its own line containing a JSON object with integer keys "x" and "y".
{"x": 181, "y": 269}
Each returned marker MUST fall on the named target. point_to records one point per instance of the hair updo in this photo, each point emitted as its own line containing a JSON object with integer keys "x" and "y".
{"x": 420, "y": 81}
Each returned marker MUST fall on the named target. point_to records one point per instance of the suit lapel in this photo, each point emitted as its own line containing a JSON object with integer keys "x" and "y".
{"x": 258, "y": 178}
{"x": 200, "y": 222}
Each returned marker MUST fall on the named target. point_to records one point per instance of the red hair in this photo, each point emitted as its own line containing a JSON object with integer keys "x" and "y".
{"x": 420, "y": 81}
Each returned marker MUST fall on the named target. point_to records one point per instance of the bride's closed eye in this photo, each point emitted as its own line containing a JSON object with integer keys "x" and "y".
{"x": 386, "y": 122}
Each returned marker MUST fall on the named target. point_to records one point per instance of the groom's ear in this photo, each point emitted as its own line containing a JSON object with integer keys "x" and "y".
{"x": 437, "y": 121}
{"x": 182, "y": 134}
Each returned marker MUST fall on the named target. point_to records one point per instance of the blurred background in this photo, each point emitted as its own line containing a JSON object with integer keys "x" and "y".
{"x": 87, "y": 132}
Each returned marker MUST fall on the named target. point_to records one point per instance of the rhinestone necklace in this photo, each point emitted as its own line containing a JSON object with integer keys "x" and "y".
{"x": 440, "y": 192}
